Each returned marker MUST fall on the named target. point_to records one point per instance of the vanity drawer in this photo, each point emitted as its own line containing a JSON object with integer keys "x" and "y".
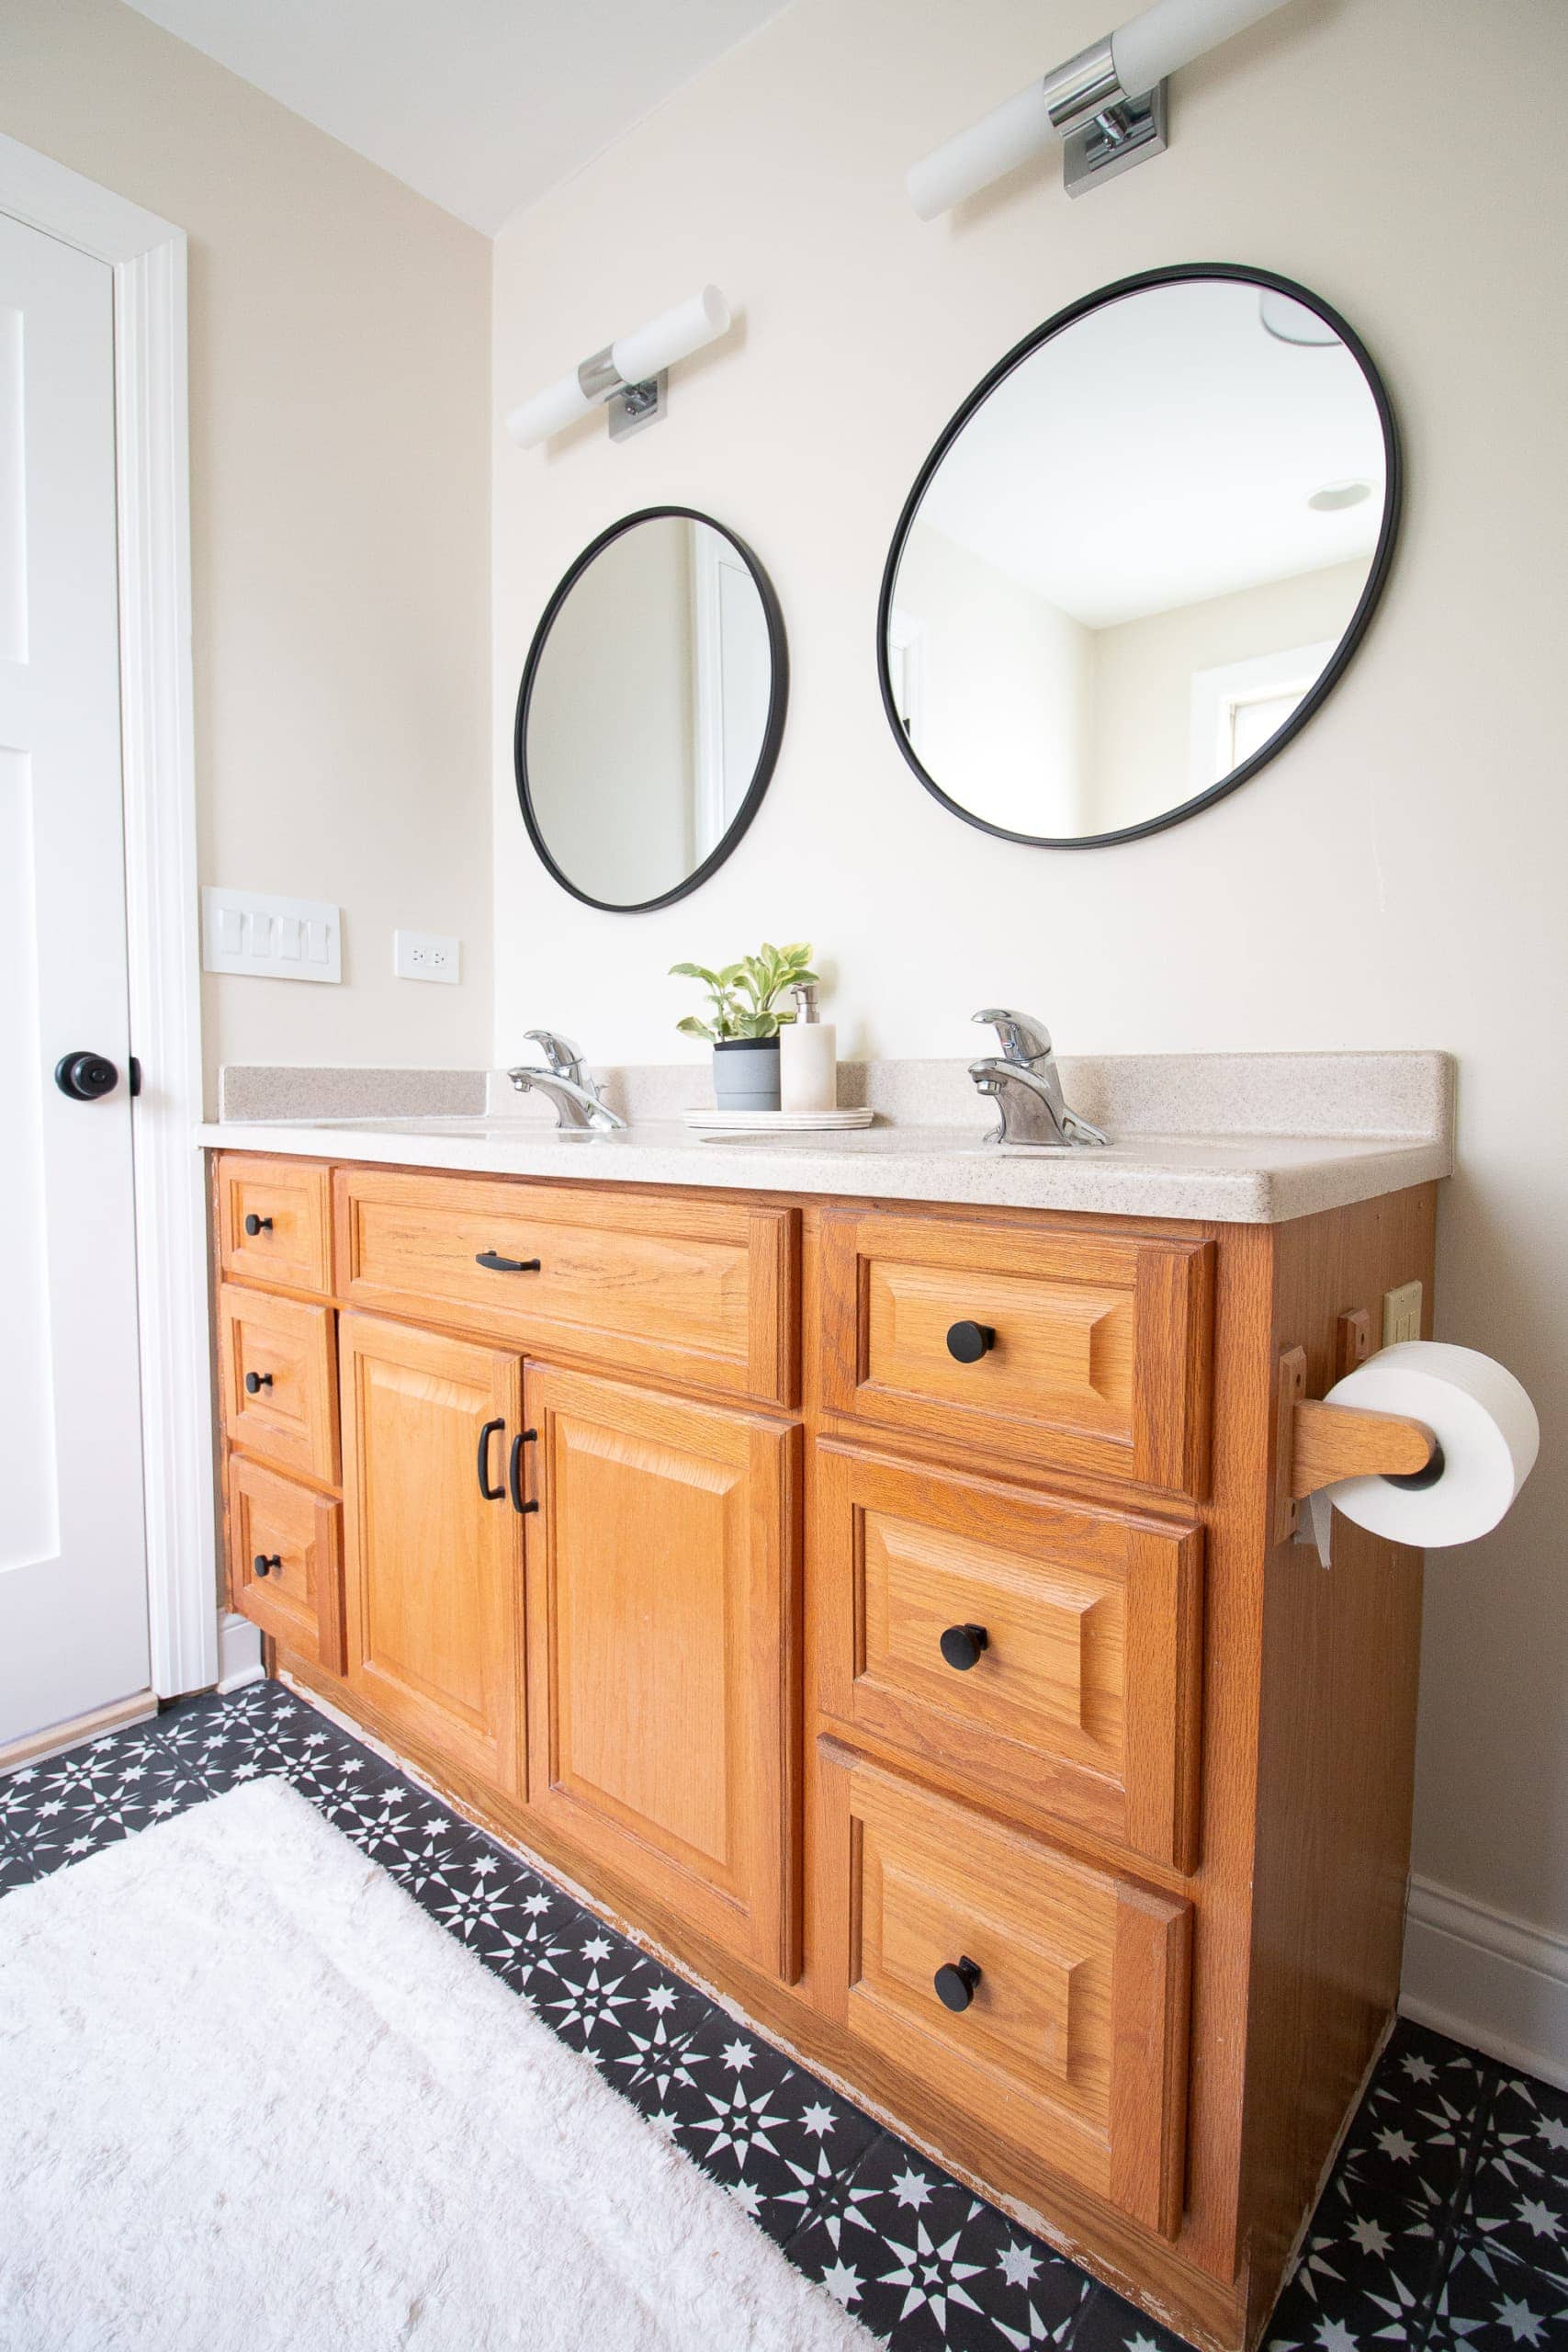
{"x": 1073, "y": 2044}
{"x": 280, "y": 1380}
{"x": 701, "y": 1293}
{"x": 286, "y": 1562}
{"x": 288, "y": 1202}
{"x": 1090, "y": 1353}
{"x": 1072, "y": 1687}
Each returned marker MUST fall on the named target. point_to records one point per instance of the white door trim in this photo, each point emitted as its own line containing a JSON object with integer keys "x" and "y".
{"x": 152, "y": 462}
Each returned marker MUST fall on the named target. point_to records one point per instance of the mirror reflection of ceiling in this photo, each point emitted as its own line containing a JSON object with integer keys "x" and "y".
{"x": 1163, "y": 450}
{"x": 1134, "y": 560}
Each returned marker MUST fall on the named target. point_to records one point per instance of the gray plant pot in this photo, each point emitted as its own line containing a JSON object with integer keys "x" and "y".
{"x": 746, "y": 1074}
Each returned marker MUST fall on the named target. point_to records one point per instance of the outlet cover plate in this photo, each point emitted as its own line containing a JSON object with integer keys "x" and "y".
{"x": 427, "y": 955}
{"x": 1400, "y": 1313}
{"x": 265, "y": 938}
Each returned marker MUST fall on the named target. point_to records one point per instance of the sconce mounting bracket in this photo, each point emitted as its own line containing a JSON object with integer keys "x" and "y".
{"x": 1128, "y": 132}
{"x": 636, "y": 405}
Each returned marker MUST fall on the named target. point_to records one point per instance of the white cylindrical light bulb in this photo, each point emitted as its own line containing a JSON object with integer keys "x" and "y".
{"x": 1009, "y": 135}
{"x": 674, "y": 335}
{"x": 1173, "y": 32}
{"x": 548, "y": 411}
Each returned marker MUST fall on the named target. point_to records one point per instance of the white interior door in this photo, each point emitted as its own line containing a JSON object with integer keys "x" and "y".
{"x": 734, "y": 683}
{"x": 72, "y": 1545}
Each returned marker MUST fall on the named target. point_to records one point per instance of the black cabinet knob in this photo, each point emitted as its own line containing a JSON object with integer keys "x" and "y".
{"x": 255, "y": 1225}
{"x": 956, "y": 1984}
{"x": 969, "y": 1341}
{"x": 962, "y": 1645}
{"x": 265, "y": 1565}
{"x": 256, "y": 1381}
{"x": 85, "y": 1076}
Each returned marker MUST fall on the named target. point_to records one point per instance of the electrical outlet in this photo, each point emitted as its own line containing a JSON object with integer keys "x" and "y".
{"x": 425, "y": 955}
{"x": 1400, "y": 1313}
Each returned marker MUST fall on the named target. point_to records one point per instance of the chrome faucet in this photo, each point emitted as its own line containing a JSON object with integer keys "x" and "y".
{"x": 1025, "y": 1085}
{"x": 568, "y": 1083}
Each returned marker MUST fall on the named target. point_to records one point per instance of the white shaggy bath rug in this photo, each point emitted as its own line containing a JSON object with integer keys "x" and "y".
{"x": 252, "y": 2097}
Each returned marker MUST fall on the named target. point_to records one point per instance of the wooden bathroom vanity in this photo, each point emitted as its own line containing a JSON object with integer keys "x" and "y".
{"x": 887, "y": 1609}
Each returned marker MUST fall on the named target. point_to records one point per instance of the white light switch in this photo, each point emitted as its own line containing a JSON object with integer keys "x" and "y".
{"x": 270, "y": 939}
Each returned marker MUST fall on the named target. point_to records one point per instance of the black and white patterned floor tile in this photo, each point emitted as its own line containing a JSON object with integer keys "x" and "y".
{"x": 1444, "y": 2229}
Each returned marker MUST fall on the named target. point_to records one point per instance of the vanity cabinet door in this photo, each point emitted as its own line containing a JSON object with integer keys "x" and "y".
{"x": 663, "y": 1678}
{"x": 434, "y": 1585}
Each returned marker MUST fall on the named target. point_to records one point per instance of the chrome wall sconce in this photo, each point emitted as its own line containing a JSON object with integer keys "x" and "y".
{"x": 1107, "y": 106}
{"x": 631, "y": 374}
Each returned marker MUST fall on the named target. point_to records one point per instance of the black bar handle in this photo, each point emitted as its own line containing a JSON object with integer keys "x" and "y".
{"x": 499, "y": 1265}
{"x": 263, "y": 1565}
{"x": 514, "y": 1472}
{"x": 255, "y": 1225}
{"x": 492, "y": 1494}
{"x": 256, "y": 1381}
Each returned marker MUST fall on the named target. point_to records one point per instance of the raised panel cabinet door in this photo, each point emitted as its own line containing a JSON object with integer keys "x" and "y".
{"x": 280, "y": 1380}
{"x": 275, "y": 1221}
{"x": 663, "y": 1655}
{"x": 286, "y": 1561}
{"x": 434, "y": 1564}
{"x": 1044, "y": 1999}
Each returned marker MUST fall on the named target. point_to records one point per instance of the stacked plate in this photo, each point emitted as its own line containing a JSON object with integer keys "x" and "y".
{"x": 775, "y": 1123}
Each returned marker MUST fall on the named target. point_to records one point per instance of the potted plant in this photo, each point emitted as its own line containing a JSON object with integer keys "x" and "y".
{"x": 744, "y": 1024}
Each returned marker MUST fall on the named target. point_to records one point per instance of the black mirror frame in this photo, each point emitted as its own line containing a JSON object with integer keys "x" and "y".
{"x": 1311, "y": 702}
{"x": 772, "y": 733}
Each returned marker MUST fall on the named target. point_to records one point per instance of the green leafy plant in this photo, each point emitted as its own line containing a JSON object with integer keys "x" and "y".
{"x": 745, "y": 995}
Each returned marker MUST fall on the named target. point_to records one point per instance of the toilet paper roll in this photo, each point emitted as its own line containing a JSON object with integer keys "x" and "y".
{"x": 1479, "y": 1416}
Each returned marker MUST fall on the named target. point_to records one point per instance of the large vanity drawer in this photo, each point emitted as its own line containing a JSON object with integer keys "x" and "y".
{"x": 275, "y": 1221}
{"x": 1071, "y": 2046}
{"x": 286, "y": 1561}
{"x": 699, "y": 1292}
{"x": 1082, "y": 1354}
{"x": 1069, "y": 1682}
{"x": 279, "y": 1378}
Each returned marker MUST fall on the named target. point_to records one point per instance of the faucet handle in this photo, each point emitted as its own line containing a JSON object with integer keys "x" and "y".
{"x": 1020, "y": 1036}
{"x": 563, "y": 1057}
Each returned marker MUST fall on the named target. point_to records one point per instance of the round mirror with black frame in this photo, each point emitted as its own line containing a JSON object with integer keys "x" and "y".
{"x": 1140, "y": 557}
{"x": 651, "y": 709}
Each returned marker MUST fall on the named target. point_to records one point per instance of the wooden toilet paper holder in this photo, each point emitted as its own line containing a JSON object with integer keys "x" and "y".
{"x": 1316, "y": 1443}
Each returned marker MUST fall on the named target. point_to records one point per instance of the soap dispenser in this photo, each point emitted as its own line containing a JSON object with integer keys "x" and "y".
{"x": 808, "y": 1067}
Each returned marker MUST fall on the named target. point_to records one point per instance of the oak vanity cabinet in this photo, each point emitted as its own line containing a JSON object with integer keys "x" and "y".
{"x": 890, "y": 1614}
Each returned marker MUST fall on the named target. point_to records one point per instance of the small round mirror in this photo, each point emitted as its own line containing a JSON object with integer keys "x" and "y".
{"x": 1139, "y": 557}
{"x": 650, "y": 711}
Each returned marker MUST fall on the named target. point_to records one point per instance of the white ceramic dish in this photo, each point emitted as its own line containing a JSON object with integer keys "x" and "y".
{"x": 776, "y": 1123}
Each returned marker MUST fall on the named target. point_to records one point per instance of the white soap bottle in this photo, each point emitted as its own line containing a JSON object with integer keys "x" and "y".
{"x": 809, "y": 1063}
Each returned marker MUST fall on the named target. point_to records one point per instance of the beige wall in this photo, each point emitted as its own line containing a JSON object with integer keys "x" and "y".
{"x": 1394, "y": 878}
{"x": 339, "y": 333}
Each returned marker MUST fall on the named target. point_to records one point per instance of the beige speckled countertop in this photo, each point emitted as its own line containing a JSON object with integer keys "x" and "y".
{"x": 1367, "y": 1124}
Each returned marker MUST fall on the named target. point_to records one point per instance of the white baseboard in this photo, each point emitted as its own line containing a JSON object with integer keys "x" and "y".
{"x": 238, "y": 1653}
{"x": 1488, "y": 1978}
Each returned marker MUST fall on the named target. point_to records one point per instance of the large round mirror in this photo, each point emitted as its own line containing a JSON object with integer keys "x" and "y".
{"x": 1139, "y": 557}
{"x": 651, "y": 710}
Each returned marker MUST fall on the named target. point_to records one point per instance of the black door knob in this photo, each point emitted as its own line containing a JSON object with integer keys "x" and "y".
{"x": 969, "y": 1341}
{"x": 962, "y": 1645}
{"x": 255, "y": 1225}
{"x": 956, "y": 1984}
{"x": 85, "y": 1076}
{"x": 265, "y": 1565}
{"x": 256, "y": 1381}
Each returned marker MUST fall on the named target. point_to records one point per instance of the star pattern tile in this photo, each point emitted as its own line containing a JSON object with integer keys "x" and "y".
{"x": 1444, "y": 2228}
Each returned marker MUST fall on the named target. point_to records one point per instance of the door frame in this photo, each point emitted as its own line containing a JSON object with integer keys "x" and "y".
{"x": 147, "y": 256}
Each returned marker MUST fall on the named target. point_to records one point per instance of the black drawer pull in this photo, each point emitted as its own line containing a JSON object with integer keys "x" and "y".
{"x": 962, "y": 1645}
{"x": 967, "y": 1342}
{"x": 499, "y": 1265}
{"x": 255, "y": 1225}
{"x": 514, "y": 1472}
{"x": 265, "y": 1565}
{"x": 956, "y": 1984}
{"x": 492, "y": 1494}
{"x": 256, "y": 1381}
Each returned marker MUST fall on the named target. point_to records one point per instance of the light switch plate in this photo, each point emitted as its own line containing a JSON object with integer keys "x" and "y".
{"x": 427, "y": 955}
{"x": 1400, "y": 1313}
{"x": 265, "y": 938}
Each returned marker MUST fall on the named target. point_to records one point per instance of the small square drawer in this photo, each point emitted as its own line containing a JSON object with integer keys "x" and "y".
{"x": 279, "y": 1378}
{"x": 1082, "y": 1352}
{"x": 1046, "y": 1651}
{"x": 1044, "y": 1999}
{"x": 286, "y": 1562}
{"x": 275, "y": 1221}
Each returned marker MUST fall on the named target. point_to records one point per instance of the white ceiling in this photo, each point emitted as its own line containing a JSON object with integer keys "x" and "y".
{"x": 480, "y": 105}
{"x": 1160, "y": 451}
